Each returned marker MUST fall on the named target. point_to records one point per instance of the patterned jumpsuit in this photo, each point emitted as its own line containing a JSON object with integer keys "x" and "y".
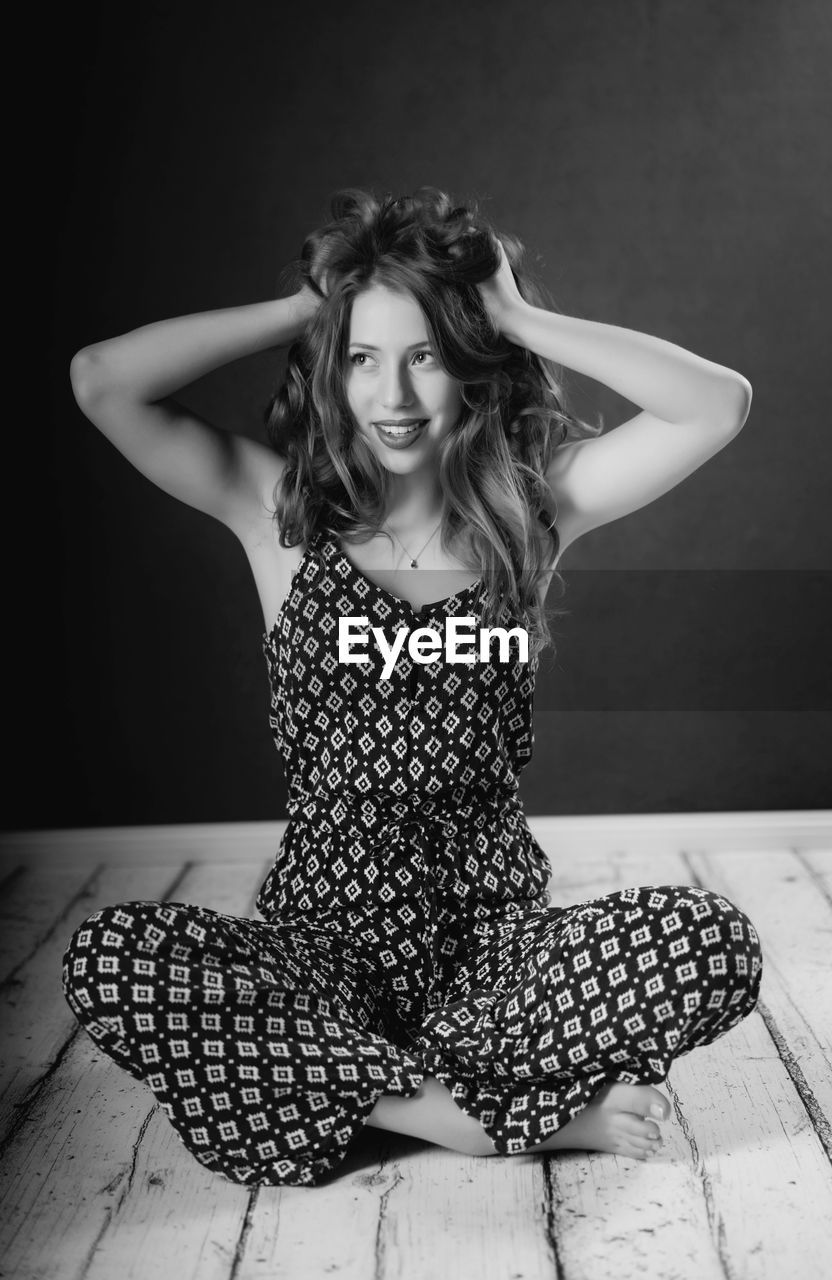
{"x": 406, "y": 926}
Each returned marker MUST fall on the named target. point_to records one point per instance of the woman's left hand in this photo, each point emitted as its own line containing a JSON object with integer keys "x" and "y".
{"x": 499, "y": 292}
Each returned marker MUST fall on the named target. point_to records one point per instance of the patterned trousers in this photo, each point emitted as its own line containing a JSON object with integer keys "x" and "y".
{"x": 267, "y": 1044}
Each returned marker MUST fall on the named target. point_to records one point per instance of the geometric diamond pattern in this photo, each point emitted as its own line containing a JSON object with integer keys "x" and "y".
{"x": 406, "y": 927}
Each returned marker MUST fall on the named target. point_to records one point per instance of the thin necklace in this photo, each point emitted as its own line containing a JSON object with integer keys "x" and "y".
{"x": 414, "y": 560}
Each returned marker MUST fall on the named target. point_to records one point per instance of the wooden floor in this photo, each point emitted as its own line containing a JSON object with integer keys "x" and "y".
{"x": 96, "y": 1185}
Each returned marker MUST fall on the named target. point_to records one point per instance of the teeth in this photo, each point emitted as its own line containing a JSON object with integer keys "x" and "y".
{"x": 400, "y": 431}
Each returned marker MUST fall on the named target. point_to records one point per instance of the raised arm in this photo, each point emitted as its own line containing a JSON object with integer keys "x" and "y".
{"x": 691, "y": 408}
{"x": 124, "y": 386}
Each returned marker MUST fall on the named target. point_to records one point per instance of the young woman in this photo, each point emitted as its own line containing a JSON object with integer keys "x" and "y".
{"x": 409, "y": 972}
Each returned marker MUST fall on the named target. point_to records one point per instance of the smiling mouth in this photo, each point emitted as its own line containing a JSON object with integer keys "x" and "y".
{"x": 401, "y": 427}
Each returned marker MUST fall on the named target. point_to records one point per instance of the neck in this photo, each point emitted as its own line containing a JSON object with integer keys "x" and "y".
{"x": 415, "y": 504}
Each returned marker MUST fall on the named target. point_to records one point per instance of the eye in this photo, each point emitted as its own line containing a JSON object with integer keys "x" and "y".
{"x": 427, "y": 354}
{"x": 356, "y": 356}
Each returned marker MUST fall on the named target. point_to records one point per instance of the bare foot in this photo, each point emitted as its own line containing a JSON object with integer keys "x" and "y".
{"x": 616, "y": 1121}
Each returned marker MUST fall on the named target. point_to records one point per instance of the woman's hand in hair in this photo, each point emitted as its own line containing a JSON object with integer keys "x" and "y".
{"x": 305, "y": 303}
{"x": 319, "y": 269}
{"x": 500, "y": 293}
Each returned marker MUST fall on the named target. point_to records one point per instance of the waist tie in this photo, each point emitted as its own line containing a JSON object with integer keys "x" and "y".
{"x": 393, "y": 824}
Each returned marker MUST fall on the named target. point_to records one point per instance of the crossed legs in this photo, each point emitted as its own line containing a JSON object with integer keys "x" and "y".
{"x": 627, "y": 984}
{"x": 616, "y": 1120}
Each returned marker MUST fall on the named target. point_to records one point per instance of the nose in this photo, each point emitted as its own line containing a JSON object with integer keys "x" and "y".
{"x": 397, "y": 392}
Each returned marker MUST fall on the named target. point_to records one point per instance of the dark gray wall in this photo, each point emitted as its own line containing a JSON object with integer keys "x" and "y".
{"x": 669, "y": 164}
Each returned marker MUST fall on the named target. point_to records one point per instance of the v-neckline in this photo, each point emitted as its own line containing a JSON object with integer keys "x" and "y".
{"x": 399, "y": 600}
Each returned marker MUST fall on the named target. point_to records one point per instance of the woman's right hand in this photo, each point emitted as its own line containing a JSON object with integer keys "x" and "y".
{"x": 318, "y": 269}
{"x": 305, "y": 304}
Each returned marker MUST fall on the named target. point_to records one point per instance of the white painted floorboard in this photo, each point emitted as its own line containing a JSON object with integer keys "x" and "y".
{"x": 96, "y": 1185}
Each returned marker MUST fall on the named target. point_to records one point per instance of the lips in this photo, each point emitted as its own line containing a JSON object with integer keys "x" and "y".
{"x": 397, "y": 432}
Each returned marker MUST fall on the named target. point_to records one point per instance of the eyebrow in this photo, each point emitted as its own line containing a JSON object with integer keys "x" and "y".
{"x": 367, "y": 346}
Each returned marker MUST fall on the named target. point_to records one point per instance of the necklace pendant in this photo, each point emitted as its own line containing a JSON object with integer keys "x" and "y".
{"x": 414, "y": 564}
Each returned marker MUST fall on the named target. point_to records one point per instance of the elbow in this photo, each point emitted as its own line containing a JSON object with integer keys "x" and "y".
{"x": 730, "y": 403}
{"x": 85, "y": 375}
{"x": 738, "y": 404}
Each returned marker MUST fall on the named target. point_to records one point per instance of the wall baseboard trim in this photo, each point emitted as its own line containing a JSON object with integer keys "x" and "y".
{"x": 564, "y": 836}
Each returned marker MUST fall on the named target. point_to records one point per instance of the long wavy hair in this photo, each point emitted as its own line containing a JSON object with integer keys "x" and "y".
{"x": 491, "y": 466}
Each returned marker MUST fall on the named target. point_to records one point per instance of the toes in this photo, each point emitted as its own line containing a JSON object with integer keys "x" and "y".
{"x": 636, "y": 1153}
{"x": 640, "y": 1149}
{"x": 659, "y": 1106}
{"x": 641, "y": 1099}
{"x": 643, "y": 1144}
{"x": 635, "y": 1126}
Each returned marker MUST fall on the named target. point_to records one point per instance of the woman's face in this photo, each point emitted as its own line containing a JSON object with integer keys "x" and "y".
{"x": 403, "y": 401}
